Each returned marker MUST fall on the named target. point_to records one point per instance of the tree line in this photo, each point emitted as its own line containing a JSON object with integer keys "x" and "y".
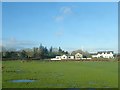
{"x": 38, "y": 53}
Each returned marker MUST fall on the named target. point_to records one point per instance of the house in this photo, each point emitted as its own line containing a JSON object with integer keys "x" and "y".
{"x": 104, "y": 54}
{"x": 94, "y": 55}
{"x": 64, "y": 57}
{"x": 60, "y": 57}
{"x": 78, "y": 56}
{"x": 70, "y": 57}
{"x": 56, "y": 58}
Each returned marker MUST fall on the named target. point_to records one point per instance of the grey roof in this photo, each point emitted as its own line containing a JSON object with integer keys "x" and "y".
{"x": 100, "y": 52}
{"x": 108, "y": 52}
{"x": 93, "y": 54}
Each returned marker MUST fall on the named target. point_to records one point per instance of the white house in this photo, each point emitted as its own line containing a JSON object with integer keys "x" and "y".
{"x": 104, "y": 54}
{"x": 56, "y": 58}
{"x": 94, "y": 55}
{"x": 70, "y": 57}
{"x": 78, "y": 56}
{"x": 61, "y": 57}
{"x": 64, "y": 57}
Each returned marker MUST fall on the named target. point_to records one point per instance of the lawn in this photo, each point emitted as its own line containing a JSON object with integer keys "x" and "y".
{"x": 70, "y": 74}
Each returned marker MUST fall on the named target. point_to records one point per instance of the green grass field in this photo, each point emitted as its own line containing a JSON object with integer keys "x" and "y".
{"x": 60, "y": 74}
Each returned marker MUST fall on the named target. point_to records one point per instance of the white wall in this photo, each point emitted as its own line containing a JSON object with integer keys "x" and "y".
{"x": 58, "y": 57}
{"x": 63, "y": 57}
{"x": 70, "y": 57}
{"x": 104, "y": 55}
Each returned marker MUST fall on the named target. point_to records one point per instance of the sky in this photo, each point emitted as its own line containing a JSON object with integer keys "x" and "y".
{"x": 90, "y": 26}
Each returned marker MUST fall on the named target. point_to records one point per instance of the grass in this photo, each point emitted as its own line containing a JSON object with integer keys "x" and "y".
{"x": 60, "y": 74}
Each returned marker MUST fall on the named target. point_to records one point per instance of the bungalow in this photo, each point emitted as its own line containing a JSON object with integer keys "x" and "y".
{"x": 63, "y": 57}
{"x": 56, "y": 58}
{"x": 78, "y": 56}
{"x": 70, "y": 57}
{"x": 104, "y": 54}
{"x": 59, "y": 57}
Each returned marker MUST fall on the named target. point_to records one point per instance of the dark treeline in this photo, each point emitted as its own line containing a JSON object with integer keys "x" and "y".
{"x": 36, "y": 53}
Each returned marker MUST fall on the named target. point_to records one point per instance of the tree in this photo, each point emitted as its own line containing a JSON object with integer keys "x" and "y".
{"x": 36, "y": 52}
{"x": 77, "y": 51}
{"x": 6, "y": 54}
{"x": 51, "y": 49}
{"x": 66, "y": 52}
{"x": 23, "y": 54}
{"x": 51, "y": 53}
{"x": 45, "y": 50}
{"x": 41, "y": 51}
{"x": 84, "y": 53}
{"x": 29, "y": 52}
{"x": 87, "y": 54}
{"x": 13, "y": 55}
{"x": 60, "y": 50}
